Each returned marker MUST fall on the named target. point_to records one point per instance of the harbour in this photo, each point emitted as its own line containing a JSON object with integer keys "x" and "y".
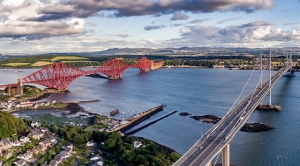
{"x": 141, "y": 91}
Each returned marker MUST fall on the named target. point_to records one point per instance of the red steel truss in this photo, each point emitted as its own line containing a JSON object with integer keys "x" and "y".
{"x": 113, "y": 68}
{"x": 143, "y": 64}
{"x": 60, "y": 75}
{"x": 57, "y": 76}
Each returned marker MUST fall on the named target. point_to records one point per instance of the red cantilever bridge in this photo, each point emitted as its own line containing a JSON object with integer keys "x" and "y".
{"x": 60, "y": 75}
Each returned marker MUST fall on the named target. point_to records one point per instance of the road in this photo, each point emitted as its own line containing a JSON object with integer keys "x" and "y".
{"x": 210, "y": 144}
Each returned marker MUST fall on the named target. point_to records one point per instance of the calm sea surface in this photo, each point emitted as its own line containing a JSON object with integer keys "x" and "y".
{"x": 199, "y": 92}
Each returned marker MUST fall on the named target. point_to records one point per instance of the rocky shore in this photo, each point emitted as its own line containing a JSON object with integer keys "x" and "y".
{"x": 248, "y": 127}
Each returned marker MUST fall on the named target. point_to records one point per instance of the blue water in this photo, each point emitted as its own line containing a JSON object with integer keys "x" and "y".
{"x": 199, "y": 92}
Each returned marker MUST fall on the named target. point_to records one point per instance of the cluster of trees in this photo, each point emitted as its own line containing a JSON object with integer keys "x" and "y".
{"x": 121, "y": 147}
{"x": 10, "y": 125}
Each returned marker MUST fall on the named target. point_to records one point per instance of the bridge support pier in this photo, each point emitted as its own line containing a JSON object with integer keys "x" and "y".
{"x": 226, "y": 155}
{"x": 8, "y": 90}
{"x": 20, "y": 87}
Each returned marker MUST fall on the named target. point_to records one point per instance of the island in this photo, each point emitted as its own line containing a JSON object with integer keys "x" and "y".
{"x": 248, "y": 127}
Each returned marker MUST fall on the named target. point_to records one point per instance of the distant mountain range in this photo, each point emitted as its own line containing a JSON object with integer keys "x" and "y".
{"x": 183, "y": 51}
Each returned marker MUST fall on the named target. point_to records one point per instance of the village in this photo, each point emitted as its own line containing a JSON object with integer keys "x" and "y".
{"x": 31, "y": 148}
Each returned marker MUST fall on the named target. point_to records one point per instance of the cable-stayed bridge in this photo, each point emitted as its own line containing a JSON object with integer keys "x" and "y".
{"x": 217, "y": 140}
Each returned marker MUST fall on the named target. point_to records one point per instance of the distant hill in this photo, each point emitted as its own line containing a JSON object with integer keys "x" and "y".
{"x": 199, "y": 51}
{"x": 10, "y": 125}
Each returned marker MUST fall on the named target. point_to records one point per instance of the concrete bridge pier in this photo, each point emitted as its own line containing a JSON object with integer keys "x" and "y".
{"x": 20, "y": 87}
{"x": 8, "y": 90}
{"x": 226, "y": 155}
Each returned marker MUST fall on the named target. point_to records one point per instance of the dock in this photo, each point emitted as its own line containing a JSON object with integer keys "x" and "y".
{"x": 150, "y": 123}
{"x": 81, "y": 101}
{"x": 138, "y": 119}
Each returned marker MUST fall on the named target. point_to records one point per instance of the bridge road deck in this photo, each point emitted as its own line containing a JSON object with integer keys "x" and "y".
{"x": 221, "y": 134}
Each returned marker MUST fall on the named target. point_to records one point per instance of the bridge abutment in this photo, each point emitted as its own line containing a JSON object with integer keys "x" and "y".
{"x": 226, "y": 155}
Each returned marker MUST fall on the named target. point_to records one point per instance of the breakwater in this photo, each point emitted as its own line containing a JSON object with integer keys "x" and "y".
{"x": 150, "y": 123}
{"x": 81, "y": 101}
{"x": 138, "y": 119}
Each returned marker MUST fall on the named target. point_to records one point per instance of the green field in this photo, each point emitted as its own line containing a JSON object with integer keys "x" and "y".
{"x": 16, "y": 64}
{"x": 41, "y": 63}
{"x": 76, "y": 61}
{"x": 68, "y": 58}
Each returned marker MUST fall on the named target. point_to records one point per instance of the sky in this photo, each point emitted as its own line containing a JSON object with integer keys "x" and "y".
{"x": 43, "y": 26}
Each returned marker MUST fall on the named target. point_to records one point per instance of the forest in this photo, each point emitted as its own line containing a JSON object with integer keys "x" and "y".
{"x": 10, "y": 125}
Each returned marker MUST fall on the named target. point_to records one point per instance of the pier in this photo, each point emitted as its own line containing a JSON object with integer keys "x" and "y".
{"x": 150, "y": 123}
{"x": 81, "y": 101}
{"x": 138, "y": 119}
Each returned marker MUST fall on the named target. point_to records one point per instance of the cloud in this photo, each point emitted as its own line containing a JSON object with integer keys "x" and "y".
{"x": 22, "y": 20}
{"x": 123, "y": 8}
{"x": 226, "y": 20}
{"x": 176, "y": 25}
{"x": 197, "y": 21}
{"x": 251, "y": 34}
{"x": 122, "y": 35}
{"x": 257, "y": 23}
{"x": 37, "y": 30}
{"x": 152, "y": 27}
{"x": 291, "y": 23}
{"x": 179, "y": 16}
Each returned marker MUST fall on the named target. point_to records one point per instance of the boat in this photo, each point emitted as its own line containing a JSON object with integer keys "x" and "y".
{"x": 234, "y": 68}
{"x": 5, "y": 69}
{"x": 20, "y": 70}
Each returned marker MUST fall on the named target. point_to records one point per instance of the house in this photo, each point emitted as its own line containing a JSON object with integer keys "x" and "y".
{"x": 53, "y": 140}
{"x": 1, "y": 150}
{"x": 20, "y": 162}
{"x": 5, "y": 143}
{"x": 46, "y": 143}
{"x": 97, "y": 163}
{"x": 16, "y": 143}
{"x": 137, "y": 144}
{"x": 54, "y": 163}
{"x": 96, "y": 157}
{"x": 69, "y": 150}
{"x": 33, "y": 151}
{"x": 42, "y": 148}
{"x": 91, "y": 143}
{"x": 64, "y": 154}
{"x": 35, "y": 124}
{"x": 24, "y": 139}
{"x": 36, "y": 135}
{"x": 7, "y": 154}
{"x": 69, "y": 146}
{"x": 27, "y": 156}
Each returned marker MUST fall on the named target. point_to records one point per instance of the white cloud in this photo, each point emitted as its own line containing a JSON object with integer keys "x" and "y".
{"x": 12, "y": 2}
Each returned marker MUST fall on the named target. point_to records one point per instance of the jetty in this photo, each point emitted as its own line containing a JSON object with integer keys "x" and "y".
{"x": 148, "y": 124}
{"x": 81, "y": 101}
{"x": 134, "y": 120}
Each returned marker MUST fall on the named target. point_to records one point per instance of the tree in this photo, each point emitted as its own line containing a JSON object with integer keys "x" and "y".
{"x": 175, "y": 156}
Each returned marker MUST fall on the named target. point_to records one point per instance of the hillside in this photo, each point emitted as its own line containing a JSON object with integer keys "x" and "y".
{"x": 10, "y": 125}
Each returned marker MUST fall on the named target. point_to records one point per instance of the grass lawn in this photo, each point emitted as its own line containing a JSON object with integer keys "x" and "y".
{"x": 16, "y": 64}
{"x": 67, "y": 58}
{"x": 41, "y": 63}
